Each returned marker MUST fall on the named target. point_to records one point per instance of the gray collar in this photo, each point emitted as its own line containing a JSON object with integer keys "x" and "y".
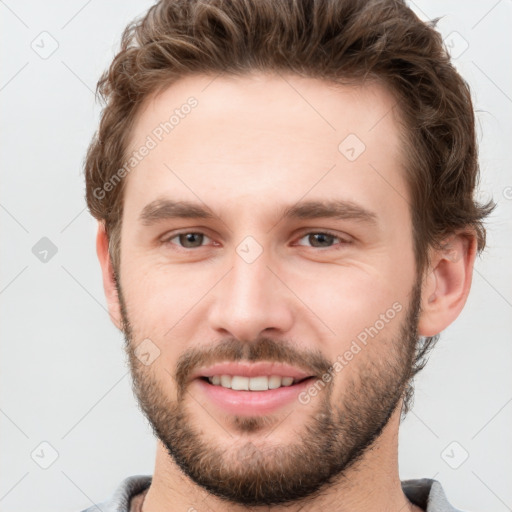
{"x": 426, "y": 493}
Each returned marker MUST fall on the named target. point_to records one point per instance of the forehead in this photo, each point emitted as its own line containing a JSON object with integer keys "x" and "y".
{"x": 256, "y": 139}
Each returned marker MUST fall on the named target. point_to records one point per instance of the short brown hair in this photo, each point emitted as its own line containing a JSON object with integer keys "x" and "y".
{"x": 344, "y": 41}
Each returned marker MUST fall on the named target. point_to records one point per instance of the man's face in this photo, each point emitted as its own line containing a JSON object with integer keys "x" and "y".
{"x": 335, "y": 298}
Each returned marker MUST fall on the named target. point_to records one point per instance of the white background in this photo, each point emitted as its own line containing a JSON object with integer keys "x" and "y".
{"x": 64, "y": 379}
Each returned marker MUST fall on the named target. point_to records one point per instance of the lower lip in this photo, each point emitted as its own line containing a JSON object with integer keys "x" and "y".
{"x": 251, "y": 402}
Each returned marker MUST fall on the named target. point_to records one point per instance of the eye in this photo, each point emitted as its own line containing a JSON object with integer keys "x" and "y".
{"x": 317, "y": 239}
{"x": 322, "y": 239}
{"x": 187, "y": 240}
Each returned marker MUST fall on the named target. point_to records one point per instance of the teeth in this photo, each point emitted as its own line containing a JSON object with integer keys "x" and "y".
{"x": 225, "y": 381}
{"x": 274, "y": 382}
{"x": 240, "y": 383}
{"x": 258, "y": 384}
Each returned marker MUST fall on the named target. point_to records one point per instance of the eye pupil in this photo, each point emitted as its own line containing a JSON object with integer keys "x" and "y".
{"x": 187, "y": 238}
{"x": 323, "y": 238}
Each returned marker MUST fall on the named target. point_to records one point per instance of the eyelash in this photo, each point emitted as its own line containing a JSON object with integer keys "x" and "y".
{"x": 342, "y": 241}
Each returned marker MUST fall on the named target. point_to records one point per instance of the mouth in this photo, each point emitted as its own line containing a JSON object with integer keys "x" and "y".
{"x": 251, "y": 388}
{"x": 255, "y": 384}
{"x": 256, "y": 396}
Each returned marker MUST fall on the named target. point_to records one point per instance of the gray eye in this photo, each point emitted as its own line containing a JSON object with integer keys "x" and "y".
{"x": 190, "y": 240}
{"x": 320, "y": 239}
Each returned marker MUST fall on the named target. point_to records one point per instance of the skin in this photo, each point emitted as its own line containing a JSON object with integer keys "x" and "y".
{"x": 252, "y": 146}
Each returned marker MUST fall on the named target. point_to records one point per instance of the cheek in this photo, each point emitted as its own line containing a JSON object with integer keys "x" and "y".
{"x": 351, "y": 307}
{"x": 363, "y": 306}
{"x": 353, "y": 286}
{"x": 160, "y": 297}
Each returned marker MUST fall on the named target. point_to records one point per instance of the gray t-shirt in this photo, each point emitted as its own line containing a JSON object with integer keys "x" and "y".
{"x": 425, "y": 493}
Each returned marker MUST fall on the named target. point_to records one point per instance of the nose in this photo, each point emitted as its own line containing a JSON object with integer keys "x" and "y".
{"x": 251, "y": 299}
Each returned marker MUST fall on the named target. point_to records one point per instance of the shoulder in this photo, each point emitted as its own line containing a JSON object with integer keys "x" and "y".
{"x": 427, "y": 494}
{"x": 120, "y": 499}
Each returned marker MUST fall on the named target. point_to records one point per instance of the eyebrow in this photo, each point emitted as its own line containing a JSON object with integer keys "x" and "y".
{"x": 164, "y": 209}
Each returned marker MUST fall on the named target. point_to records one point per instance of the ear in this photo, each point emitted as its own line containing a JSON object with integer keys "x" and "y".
{"x": 107, "y": 271}
{"x": 446, "y": 283}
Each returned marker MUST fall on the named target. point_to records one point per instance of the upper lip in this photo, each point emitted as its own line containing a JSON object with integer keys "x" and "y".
{"x": 251, "y": 370}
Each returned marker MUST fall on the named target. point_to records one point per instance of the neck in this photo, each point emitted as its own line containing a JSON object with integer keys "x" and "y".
{"x": 370, "y": 485}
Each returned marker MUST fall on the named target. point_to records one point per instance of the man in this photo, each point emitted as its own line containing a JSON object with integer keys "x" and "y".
{"x": 284, "y": 193}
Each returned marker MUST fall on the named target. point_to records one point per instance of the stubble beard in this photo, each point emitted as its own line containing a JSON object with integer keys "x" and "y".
{"x": 254, "y": 470}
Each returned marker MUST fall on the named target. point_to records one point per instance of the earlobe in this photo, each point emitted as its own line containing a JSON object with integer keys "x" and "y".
{"x": 107, "y": 271}
{"x": 447, "y": 283}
